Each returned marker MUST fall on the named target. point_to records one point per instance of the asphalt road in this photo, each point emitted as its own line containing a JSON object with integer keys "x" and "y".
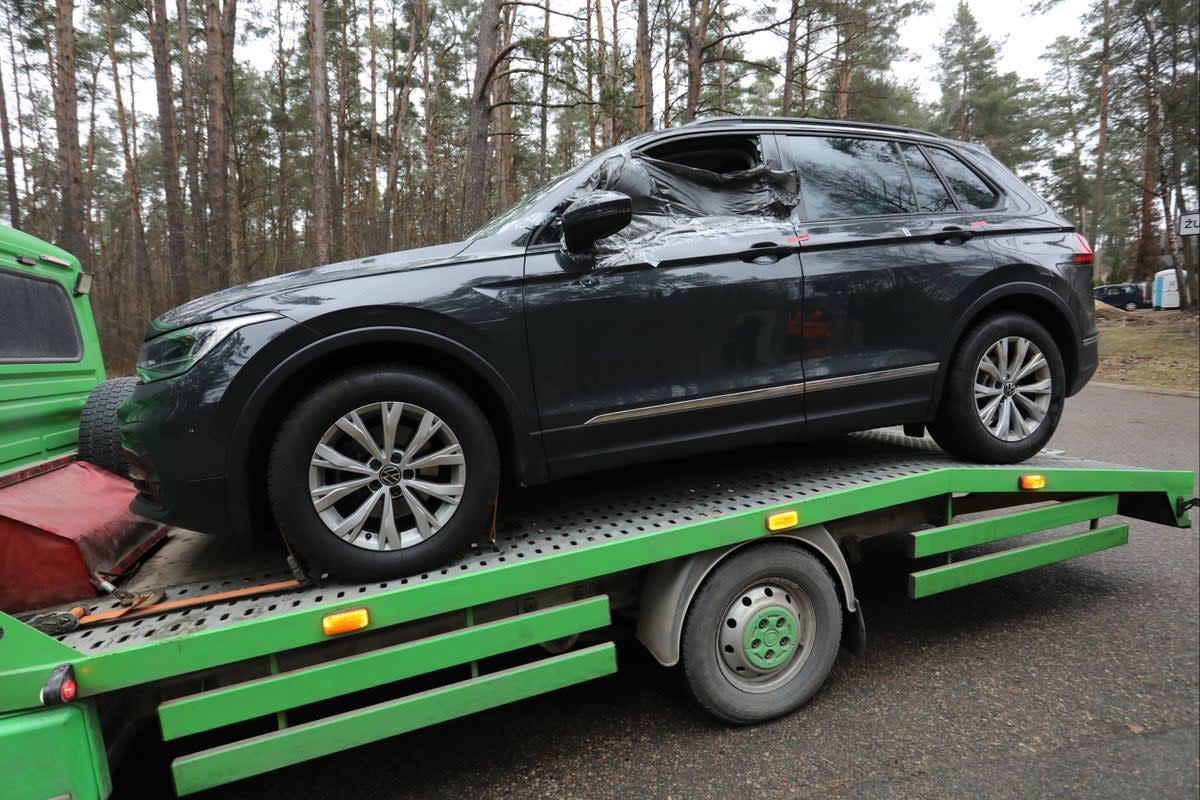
{"x": 1078, "y": 680}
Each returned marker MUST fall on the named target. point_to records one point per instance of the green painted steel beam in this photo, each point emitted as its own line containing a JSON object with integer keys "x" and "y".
{"x": 995, "y": 565}
{"x": 268, "y": 695}
{"x": 231, "y": 762}
{"x": 980, "y": 531}
{"x": 20, "y": 678}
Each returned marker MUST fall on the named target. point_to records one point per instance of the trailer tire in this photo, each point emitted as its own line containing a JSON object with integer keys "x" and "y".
{"x": 787, "y": 593}
{"x": 434, "y": 476}
{"x": 99, "y": 436}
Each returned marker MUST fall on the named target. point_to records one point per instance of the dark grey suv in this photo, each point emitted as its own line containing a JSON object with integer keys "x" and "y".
{"x": 731, "y": 281}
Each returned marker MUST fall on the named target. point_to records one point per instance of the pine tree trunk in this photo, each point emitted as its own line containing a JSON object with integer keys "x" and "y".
{"x": 789, "y": 61}
{"x": 699, "y": 15}
{"x": 191, "y": 137}
{"x": 1101, "y": 135}
{"x": 220, "y": 222}
{"x": 148, "y": 287}
{"x": 544, "y": 107}
{"x": 419, "y": 32}
{"x": 10, "y": 172}
{"x": 322, "y": 145}
{"x": 156, "y": 13}
{"x": 66, "y": 126}
{"x": 478, "y": 114}
{"x": 643, "y": 69}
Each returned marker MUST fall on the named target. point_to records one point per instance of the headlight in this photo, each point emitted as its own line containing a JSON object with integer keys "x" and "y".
{"x": 176, "y": 352}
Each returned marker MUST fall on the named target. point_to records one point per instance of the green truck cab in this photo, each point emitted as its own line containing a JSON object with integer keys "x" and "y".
{"x": 49, "y": 351}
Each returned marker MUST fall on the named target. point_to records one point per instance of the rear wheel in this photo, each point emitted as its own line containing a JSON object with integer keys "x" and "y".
{"x": 761, "y": 634}
{"x": 1004, "y": 392}
{"x": 1131, "y": 306}
{"x": 383, "y": 472}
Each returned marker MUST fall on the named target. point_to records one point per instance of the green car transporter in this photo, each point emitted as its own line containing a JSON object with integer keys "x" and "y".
{"x": 737, "y": 569}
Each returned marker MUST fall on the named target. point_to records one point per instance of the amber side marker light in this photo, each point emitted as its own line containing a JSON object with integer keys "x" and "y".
{"x": 345, "y": 621}
{"x": 782, "y": 520}
{"x": 1031, "y": 482}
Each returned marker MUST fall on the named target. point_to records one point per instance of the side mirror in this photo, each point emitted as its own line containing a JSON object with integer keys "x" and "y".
{"x": 594, "y": 216}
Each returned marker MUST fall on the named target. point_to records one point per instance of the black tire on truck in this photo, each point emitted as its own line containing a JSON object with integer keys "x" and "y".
{"x": 99, "y": 438}
{"x": 762, "y": 633}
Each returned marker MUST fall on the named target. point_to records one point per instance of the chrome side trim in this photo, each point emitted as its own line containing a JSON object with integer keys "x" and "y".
{"x": 699, "y": 402}
{"x": 763, "y": 394}
{"x": 871, "y": 377}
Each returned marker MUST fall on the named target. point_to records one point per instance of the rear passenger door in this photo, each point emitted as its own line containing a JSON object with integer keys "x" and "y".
{"x": 886, "y": 251}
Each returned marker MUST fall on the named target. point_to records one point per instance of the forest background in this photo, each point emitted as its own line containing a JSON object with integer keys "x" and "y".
{"x": 181, "y": 146}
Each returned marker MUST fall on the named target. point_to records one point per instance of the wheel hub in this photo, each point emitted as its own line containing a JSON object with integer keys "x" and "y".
{"x": 1013, "y": 388}
{"x": 770, "y": 638}
{"x": 387, "y": 476}
{"x": 390, "y": 475}
{"x": 765, "y": 635}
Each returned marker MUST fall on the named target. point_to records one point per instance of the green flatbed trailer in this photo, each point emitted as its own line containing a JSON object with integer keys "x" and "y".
{"x": 252, "y": 684}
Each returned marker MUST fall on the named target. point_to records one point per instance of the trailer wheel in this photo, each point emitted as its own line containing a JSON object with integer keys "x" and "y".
{"x": 761, "y": 634}
{"x": 99, "y": 438}
{"x": 384, "y": 472}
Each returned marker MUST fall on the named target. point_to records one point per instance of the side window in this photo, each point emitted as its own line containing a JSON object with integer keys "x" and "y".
{"x": 931, "y": 192}
{"x": 719, "y": 154}
{"x": 973, "y": 194}
{"x": 844, "y": 177}
{"x": 36, "y": 320}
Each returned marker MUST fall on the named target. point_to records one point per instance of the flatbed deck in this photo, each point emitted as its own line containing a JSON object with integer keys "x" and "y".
{"x": 549, "y": 521}
{"x": 566, "y": 556}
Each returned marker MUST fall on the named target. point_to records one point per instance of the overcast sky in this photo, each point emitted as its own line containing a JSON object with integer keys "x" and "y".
{"x": 1024, "y": 38}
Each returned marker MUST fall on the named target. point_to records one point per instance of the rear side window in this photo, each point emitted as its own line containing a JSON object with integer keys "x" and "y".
{"x": 36, "y": 320}
{"x": 843, "y": 177}
{"x": 931, "y": 192}
{"x": 973, "y": 193}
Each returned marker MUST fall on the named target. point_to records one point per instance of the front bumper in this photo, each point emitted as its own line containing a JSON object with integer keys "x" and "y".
{"x": 178, "y": 435}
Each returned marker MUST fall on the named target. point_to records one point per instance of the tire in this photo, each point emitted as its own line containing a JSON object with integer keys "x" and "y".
{"x": 466, "y": 467}
{"x": 99, "y": 436}
{"x": 780, "y": 581}
{"x": 1131, "y": 306}
{"x": 960, "y": 428}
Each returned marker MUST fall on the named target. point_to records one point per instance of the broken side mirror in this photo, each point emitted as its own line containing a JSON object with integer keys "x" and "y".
{"x": 594, "y": 216}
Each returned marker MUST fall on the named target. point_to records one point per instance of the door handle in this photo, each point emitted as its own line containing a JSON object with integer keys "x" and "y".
{"x": 953, "y": 234}
{"x": 765, "y": 253}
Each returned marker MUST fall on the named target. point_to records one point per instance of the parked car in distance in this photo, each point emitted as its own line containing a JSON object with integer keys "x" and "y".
{"x": 731, "y": 281}
{"x": 1128, "y": 296}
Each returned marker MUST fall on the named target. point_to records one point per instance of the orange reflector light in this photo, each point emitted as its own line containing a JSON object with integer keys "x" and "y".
{"x": 345, "y": 621}
{"x": 782, "y": 520}
{"x": 1030, "y": 482}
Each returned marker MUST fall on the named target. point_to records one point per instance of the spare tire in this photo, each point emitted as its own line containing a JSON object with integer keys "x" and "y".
{"x": 99, "y": 438}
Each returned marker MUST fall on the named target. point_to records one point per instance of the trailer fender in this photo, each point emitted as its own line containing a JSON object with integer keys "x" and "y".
{"x": 669, "y": 587}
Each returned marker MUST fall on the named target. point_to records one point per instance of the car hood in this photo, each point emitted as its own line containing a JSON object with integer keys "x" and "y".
{"x": 221, "y": 304}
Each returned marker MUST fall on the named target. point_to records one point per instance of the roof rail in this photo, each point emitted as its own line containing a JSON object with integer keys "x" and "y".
{"x": 836, "y": 123}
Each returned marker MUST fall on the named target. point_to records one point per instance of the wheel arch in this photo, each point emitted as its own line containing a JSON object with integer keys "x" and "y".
{"x": 670, "y": 586}
{"x": 1031, "y": 299}
{"x": 520, "y": 456}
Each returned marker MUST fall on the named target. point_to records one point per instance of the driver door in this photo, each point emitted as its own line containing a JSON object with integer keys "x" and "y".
{"x": 666, "y": 343}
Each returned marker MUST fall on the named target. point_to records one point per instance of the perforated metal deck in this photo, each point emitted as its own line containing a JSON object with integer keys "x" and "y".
{"x": 579, "y": 513}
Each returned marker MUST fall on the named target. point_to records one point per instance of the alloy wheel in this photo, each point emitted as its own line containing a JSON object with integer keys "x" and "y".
{"x": 387, "y": 476}
{"x": 1013, "y": 388}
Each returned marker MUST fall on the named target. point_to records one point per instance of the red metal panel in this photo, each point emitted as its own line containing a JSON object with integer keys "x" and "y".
{"x": 58, "y": 526}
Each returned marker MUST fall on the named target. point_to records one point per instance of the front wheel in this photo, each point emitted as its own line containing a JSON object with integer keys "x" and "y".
{"x": 383, "y": 472}
{"x": 762, "y": 633}
{"x": 1004, "y": 392}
